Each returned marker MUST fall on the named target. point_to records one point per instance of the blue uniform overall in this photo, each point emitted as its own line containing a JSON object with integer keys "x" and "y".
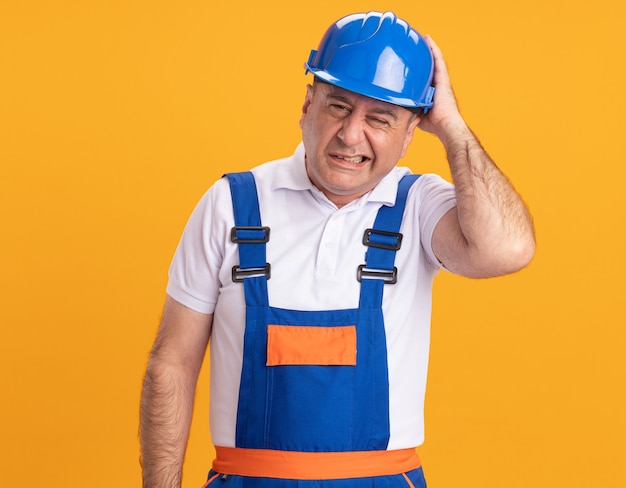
{"x": 314, "y": 396}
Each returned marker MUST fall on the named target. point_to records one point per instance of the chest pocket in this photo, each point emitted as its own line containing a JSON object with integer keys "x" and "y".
{"x": 304, "y": 345}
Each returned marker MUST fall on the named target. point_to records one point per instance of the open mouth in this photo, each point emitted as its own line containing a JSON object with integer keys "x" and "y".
{"x": 353, "y": 159}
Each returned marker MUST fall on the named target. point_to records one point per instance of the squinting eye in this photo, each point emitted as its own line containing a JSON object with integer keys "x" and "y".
{"x": 378, "y": 122}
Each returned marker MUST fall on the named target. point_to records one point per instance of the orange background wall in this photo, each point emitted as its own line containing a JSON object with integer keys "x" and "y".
{"x": 115, "y": 116}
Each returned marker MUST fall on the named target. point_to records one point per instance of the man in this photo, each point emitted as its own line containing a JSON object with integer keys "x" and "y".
{"x": 312, "y": 278}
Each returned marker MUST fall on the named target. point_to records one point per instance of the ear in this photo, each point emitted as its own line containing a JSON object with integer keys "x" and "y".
{"x": 410, "y": 130}
{"x": 308, "y": 98}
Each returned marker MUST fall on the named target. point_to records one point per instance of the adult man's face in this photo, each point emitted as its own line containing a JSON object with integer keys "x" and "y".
{"x": 351, "y": 141}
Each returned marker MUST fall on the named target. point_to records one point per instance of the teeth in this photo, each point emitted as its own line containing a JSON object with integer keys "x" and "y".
{"x": 355, "y": 160}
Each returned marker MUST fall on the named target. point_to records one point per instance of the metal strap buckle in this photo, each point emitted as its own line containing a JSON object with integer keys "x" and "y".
{"x": 389, "y": 277}
{"x": 239, "y": 274}
{"x": 252, "y": 235}
{"x": 367, "y": 239}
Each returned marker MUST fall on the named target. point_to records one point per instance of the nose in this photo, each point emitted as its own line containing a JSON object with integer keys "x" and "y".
{"x": 352, "y": 130}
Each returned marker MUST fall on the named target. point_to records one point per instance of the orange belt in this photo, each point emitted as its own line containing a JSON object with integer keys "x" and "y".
{"x": 266, "y": 463}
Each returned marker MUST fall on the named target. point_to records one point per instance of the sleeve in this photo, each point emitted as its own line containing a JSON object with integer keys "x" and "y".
{"x": 194, "y": 271}
{"x": 436, "y": 198}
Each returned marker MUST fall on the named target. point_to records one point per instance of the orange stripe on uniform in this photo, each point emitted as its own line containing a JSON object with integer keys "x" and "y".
{"x": 208, "y": 482}
{"x": 408, "y": 481}
{"x": 266, "y": 463}
{"x": 289, "y": 344}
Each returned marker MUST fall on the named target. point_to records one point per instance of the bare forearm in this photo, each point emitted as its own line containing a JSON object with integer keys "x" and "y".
{"x": 166, "y": 408}
{"x": 493, "y": 219}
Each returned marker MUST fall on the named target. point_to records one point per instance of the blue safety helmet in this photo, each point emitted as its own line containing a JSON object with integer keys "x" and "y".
{"x": 377, "y": 55}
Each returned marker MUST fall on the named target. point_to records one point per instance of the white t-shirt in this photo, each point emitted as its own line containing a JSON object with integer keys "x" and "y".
{"x": 314, "y": 251}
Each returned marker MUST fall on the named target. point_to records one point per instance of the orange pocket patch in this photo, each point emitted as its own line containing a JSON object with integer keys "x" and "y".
{"x": 323, "y": 346}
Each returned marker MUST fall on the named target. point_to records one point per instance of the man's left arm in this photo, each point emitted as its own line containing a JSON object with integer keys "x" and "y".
{"x": 489, "y": 232}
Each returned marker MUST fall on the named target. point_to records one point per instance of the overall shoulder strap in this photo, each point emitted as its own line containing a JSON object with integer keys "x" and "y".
{"x": 250, "y": 237}
{"x": 383, "y": 241}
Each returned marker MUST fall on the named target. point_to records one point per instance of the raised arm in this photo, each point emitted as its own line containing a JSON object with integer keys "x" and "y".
{"x": 490, "y": 232}
{"x": 168, "y": 393}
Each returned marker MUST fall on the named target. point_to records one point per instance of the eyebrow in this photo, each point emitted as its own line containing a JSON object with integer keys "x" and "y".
{"x": 377, "y": 110}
